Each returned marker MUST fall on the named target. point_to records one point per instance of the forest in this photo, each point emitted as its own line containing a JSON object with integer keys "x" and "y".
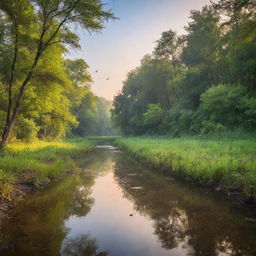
{"x": 163, "y": 163}
{"x": 200, "y": 83}
{"x": 44, "y": 95}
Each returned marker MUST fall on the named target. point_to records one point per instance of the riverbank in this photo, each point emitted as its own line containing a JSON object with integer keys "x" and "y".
{"x": 226, "y": 165}
{"x": 116, "y": 196}
{"x": 26, "y": 166}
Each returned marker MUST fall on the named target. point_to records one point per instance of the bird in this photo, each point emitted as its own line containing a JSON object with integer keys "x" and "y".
{"x": 96, "y": 71}
{"x": 108, "y": 78}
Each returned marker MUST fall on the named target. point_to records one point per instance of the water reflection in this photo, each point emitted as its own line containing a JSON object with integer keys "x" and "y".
{"x": 202, "y": 223}
{"x": 37, "y": 225}
{"x": 117, "y": 208}
{"x": 82, "y": 245}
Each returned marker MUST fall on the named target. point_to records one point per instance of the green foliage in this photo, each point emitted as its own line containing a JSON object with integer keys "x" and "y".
{"x": 6, "y": 184}
{"x": 27, "y": 129}
{"x": 145, "y": 85}
{"x": 153, "y": 115}
{"x": 178, "y": 119}
{"x": 36, "y": 82}
{"x": 229, "y": 106}
{"x": 77, "y": 71}
{"x": 230, "y": 164}
{"x": 94, "y": 119}
{"x": 204, "y": 81}
{"x": 38, "y": 163}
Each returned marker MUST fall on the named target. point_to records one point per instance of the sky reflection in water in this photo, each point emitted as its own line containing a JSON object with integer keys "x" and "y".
{"x": 89, "y": 214}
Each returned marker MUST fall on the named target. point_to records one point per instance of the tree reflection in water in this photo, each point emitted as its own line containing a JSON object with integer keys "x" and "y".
{"x": 183, "y": 216}
{"x": 171, "y": 229}
{"x": 82, "y": 245}
{"x": 39, "y": 227}
{"x": 82, "y": 201}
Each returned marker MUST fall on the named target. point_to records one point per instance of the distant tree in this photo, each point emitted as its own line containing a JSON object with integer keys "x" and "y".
{"x": 169, "y": 46}
{"x": 93, "y": 115}
{"x": 145, "y": 85}
{"x": 234, "y": 10}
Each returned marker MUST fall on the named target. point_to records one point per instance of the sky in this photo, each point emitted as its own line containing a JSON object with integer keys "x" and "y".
{"x": 123, "y": 42}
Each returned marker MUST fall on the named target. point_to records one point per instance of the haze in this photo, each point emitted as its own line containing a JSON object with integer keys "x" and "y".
{"x": 121, "y": 45}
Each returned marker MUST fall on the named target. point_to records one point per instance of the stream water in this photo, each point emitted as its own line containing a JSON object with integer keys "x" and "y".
{"x": 116, "y": 207}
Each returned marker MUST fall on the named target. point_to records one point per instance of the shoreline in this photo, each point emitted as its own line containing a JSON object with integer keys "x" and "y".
{"x": 27, "y": 181}
{"x": 232, "y": 193}
{"x": 20, "y": 190}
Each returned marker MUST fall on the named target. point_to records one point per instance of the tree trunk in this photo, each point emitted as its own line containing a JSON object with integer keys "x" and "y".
{"x": 9, "y": 124}
{"x": 6, "y": 135}
{"x": 11, "y": 118}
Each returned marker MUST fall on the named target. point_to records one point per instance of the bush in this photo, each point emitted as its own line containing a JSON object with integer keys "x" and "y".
{"x": 229, "y": 106}
{"x": 6, "y": 184}
{"x": 26, "y": 129}
{"x": 211, "y": 128}
{"x": 153, "y": 115}
{"x": 179, "y": 120}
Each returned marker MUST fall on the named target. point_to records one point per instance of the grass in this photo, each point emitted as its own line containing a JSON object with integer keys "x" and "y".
{"x": 230, "y": 164}
{"x": 38, "y": 163}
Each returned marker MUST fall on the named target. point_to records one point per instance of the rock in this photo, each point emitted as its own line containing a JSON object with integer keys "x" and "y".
{"x": 136, "y": 188}
{"x": 250, "y": 219}
{"x": 218, "y": 189}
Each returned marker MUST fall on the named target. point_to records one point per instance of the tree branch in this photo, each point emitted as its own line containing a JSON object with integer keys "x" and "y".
{"x": 60, "y": 24}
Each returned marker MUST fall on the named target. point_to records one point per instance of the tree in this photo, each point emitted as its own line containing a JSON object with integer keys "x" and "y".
{"x": 93, "y": 115}
{"x": 32, "y": 27}
{"x": 147, "y": 84}
{"x": 203, "y": 81}
{"x": 169, "y": 47}
{"x": 204, "y": 43}
{"x": 78, "y": 72}
{"x": 234, "y": 10}
{"x": 153, "y": 116}
{"x": 229, "y": 106}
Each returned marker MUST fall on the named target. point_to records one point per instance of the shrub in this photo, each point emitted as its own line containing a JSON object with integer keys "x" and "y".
{"x": 26, "y": 129}
{"x": 153, "y": 115}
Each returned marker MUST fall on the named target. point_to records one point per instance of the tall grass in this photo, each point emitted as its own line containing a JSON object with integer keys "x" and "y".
{"x": 230, "y": 164}
{"x": 37, "y": 163}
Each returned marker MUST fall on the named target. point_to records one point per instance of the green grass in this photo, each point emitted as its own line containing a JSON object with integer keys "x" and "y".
{"x": 38, "y": 163}
{"x": 230, "y": 164}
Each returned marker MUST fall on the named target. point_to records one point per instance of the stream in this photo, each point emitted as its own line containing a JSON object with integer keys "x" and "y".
{"x": 116, "y": 207}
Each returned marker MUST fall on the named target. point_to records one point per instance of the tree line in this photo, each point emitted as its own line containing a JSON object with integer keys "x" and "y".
{"x": 42, "y": 94}
{"x": 198, "y": 83}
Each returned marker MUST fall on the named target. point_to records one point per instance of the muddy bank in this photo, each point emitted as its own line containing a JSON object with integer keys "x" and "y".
{"x": 22, "y": 187}
{"x": 235, "y": 195}
{"x": 116, "y": 206}
{"x": 18, "y": 192}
